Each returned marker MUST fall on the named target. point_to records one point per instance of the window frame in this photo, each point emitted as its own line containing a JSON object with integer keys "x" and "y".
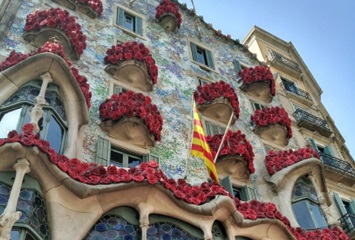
{"x": 207, "y": 121}
{"x": 104, "y": 147}
{"x": 309, "y": 202}
{"x": 139, "y": 21}
{"x": 48, "y": 112}
{"x": 210, "y": 62}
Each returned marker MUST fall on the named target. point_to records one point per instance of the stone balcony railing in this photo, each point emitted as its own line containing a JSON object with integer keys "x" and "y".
{"x": 286, "y": 64}
{"x": 311, "y": 122}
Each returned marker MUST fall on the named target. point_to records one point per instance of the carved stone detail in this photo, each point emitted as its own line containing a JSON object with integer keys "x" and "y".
{"x": 169, "y": 22}
{"x": 132, "y": 72}
{"x": 219, "y": 109}
{"x": 258, "y": 89}
{"x": 234, "y": 166}
{"x": 131, "y": 130}
{"x": 44, "y": 34}
{"x": 10, "y": 216}
{"x": 275, "y": 133}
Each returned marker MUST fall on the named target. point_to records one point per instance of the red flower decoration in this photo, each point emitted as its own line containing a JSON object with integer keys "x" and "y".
{"x": 55, "y": 48}
{"x": 130, "y": 104}
{"x": 270, "y": 116}
{"x": 275, "y": 161}
{"x": 96, "y": 5}
{"x": 209, "y": 92}
{"x": 258, "y": 73}
{"x": 136, "y": 51}
{"x": 234, "y": 144}
{"x": 57, "y": 18}
{"x": 166, "y": 6}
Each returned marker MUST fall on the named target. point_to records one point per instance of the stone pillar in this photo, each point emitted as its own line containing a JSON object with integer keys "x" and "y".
{"x": 10, "y": 216}
{"x": 37, "y": 110}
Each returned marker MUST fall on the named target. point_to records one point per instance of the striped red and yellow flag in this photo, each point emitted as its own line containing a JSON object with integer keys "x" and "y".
{"x": 200, "y": 147}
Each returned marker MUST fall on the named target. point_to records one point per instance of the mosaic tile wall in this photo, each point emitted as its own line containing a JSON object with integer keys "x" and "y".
{"x": 176, "y": 81}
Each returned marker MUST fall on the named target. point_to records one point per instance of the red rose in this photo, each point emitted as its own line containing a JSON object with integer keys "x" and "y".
{"x": 138, "y": 178}
{"x": 112, "y": 170}
{"x": 63, "y": 166}
{"x": 126, "y": 177}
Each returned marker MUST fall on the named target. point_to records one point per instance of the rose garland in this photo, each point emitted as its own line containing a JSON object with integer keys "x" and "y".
{"x": 130, "y": 104}
{"x": 272, "y": 115}
{"x": 166, "y": 6}
{"x": 96, "y": 5}
{"x": 209, "y": 92}
{"x": 276, "y": 161}
{"x": 54, "y": 48}
{"x": 133, "y": 51}
{"x": 91, "y": 173}
{"x": 235, "y": 143}
{"x": 57, "y": 18}
{"x": 258, "y": 73}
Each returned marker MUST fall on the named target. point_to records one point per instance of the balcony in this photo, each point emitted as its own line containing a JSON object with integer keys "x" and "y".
{"x": 337, "y": 169}
{"x": 286, "y": 64}
{"x": 347, "y": 224}
{"x": 311, "y": 122}
{"x": 297, "y": 93}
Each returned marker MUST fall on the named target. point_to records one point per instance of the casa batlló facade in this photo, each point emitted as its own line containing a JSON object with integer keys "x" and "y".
{"x": 96, "y": 103}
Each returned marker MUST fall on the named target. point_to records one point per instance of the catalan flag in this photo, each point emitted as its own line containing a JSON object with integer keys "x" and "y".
{"x": 200, "y": 146}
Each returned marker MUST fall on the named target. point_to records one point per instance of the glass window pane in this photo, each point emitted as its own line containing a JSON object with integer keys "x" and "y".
{"x": 55, "y": 134}
{"x": 116, "y": 158}
{"x": 9, "y": 122}
{"x": 303, "y": 215}
{"x": 133, "y": 161}
{"x": 129, "y": 22}
{"x": 201, "y": 56}
{"x": 15, "y": 234}
{"x": 318, "y": 217}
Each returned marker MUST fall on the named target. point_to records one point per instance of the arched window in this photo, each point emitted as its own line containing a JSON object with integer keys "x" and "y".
{"x": 15, "y": 112}
{"x": 168, "y": 228}
{"x": 33, "y": 223}
{"x": 119, "y": 223}
{"x": 305, "y": 205}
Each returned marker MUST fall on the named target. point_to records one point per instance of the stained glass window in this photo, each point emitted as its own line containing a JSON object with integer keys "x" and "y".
{"x": 33, "y": 209}
{"x": 113, "y": 227}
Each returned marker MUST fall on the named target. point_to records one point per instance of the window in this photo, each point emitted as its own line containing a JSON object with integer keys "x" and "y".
{"x": 296, "y": 107}
{"x": 290, "y": 86}
{"x": 15, "y": 112}
{"x": 212, "y": 129}
{"x": 125, "y": 159}
{"x": 320, "y": 148}
{"x": 346, "y": 211}
{"x": 202, "y": 55}
{"x": 21, "y": 234}
{"x": 245, "y": 193}
{"x": 203, "y": 81}
{"x": 305, "y": 205}
{"x": 257, "y": 106}
{"x": 109, "y": 155}
{"x": 130, "y": 21}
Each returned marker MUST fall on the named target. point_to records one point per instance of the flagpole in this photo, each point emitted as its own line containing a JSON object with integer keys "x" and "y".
{"x": 224, "y": 136}
{"x": 191, "y": 137}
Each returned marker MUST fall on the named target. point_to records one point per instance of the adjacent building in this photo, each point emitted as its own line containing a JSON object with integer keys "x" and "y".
{"x": 96, "y": 127}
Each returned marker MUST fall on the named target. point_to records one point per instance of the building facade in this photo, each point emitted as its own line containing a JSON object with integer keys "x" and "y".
{"x": 96, "y": 123}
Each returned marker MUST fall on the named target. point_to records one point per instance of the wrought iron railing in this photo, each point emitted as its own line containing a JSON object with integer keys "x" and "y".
{"x": 292, "y": 88}
{"x": 337, "y": 164}
{"x": 272, "y": 55}
{"x": 348, "y": 222}
{"x": 311, "y": 122}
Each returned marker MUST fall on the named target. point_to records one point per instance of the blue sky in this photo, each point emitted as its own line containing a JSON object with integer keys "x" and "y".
{"x": 323, "y": 33}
